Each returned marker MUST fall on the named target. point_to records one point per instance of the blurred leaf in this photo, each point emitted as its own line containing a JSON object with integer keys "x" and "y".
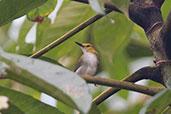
{"x": 25, "y": 28}
{"x": 96, "y": 6}
{"x": 66, "y": 109}
{"x": 154, "y": 84}
{"x": 25, "y": 104}
{"x": 12, "y": 109}
{"x": 122, "y": 5}
{"x": 158, "y": 103}
{"x": 3, "y": 37}
{"x": 12, "y": 9}
{"x": 38, "y": 14}
{"x": 94, "y": 109}
{"x": 169, "y": 83}
{"x": 57, "y": 80}
{"x": 137, "y": 49}
{"x": 41, "y": 31}
{"x": 70, "y": 15}
{"x": 27, "y": 48}
{"x": 165, "y": 8}
{"x": 111, "y": 42}
{"x": 139, "y": 34}
{"x": 131, "y": 109}
{"x": 10, "y": 46}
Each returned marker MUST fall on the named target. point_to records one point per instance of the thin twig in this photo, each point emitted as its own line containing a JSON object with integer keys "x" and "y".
{"x": 122, "y": 85}
{"x": 68, "y": 34}
{"x": 143, "y": 73}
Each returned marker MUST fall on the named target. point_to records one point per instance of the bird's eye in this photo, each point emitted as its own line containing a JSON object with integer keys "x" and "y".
{"x": 88, "y": 46}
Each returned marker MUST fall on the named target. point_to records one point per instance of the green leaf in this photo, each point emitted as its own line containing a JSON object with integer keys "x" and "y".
{"x": 12, "y": 109}
{"x": 158, "y": 103}
{"x": 38, "y": 14}
{"x": 111, "y": 43}
{"x": 94, "y": 109}
{"x": 26, "y": 48}
{"x": 21, "y": 103}
{"x": 41, "y": 31}
{"x": 51, "y": 79}
{"x": 165, "y": 8}
{"x": 137, "y": 49}
{"x": 12, "y": 9}
{"x": 169, "y": 83}
{"x": 25, "y": 28}
{"x": 10, "y": 46}
{"x": 122, "y": 5}
{"x": 70, "y": 15}
{"x": 66, "y": 109}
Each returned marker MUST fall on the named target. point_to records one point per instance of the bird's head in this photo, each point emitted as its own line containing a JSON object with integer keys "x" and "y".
{"x": 87, "y": 47}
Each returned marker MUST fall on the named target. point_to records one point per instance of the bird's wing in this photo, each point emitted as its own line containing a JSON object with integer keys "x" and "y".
{"x": 78, "y": 64}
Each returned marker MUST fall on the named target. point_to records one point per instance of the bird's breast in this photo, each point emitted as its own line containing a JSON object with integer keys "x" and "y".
{"x": 89, "y": 64}
{"x": 90, "y": 59}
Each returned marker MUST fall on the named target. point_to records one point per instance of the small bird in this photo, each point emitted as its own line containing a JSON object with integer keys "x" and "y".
{"x": 88, "y": 62}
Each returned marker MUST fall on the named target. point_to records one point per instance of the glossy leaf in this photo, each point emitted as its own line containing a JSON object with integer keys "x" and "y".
{"x": 21, "y": 103}
{"x": 158, "y": 103}
{"x": 12, "y": 9}
{"x": 122, "y": 5}
{"x": 38, "y": 14}
{"x": 48, "y": 78}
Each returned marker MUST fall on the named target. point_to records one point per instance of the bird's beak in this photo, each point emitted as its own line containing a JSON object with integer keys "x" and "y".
{"x": 79, "y": 44}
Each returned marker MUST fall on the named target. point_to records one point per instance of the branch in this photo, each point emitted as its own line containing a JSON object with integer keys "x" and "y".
{"x": 122, "y": 85}
{"x": 68, "y": 34}
{"x": 165, "y": 35}
{"x": 152, "y": 73}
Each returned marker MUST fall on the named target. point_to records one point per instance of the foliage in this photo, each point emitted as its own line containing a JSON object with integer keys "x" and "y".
{"x": 118, "y": 44}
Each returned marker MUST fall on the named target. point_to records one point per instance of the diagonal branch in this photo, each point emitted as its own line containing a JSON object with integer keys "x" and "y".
{"x": 68, "y": 34}
{"x": 122, "y": 85}
{"x": 152, "y": 73}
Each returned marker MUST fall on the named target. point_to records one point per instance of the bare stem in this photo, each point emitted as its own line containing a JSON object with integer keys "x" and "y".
{"x": 68, "y": 34}
{"x": 122, "y": 85}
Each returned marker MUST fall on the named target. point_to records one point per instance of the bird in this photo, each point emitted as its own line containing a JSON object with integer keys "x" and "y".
{"x": 88, "y": 62}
